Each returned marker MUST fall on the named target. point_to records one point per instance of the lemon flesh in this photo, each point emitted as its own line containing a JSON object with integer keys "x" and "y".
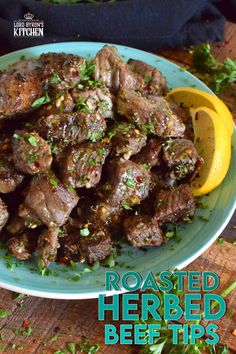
{"x": 191, "y": 97}
{"x": 213, "y": 143}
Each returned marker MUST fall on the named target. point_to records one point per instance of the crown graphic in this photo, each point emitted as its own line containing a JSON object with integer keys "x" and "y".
{"x": 28, "y": 16}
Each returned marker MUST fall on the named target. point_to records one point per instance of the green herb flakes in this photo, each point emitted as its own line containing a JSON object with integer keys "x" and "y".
{"x": 55, "y": 79}
{"x": 53, "y": 182}
{"x": 41, "y": 101}
{"x": 130, "y": 182}
{"x": 71, "y": 347}
{"x": 84, "y": 232}
{"x": 89, "y": 348}
{"x": 32, "y": 140}
{"x": 27, "y": 332}
{"x": 4, "y": 313}
{"x": 95, "y": 136}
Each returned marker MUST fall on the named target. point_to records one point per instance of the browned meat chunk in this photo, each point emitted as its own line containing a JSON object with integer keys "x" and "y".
{"x": 185, "y": 117}
{"x": 19, "y": 87}
{"x": 174, "y": 205}
{"x": 62, "y": 71}
{"x": 128, "y": 185}
{"x": 47, "y": 201}
{"x": 47, "y": 246}
{"x": 22, "y": 246}
{"x": 31, "y": 153}
{"x": 126, "y": 139}
{"x": 112, "y": 70}
{"x": 81, "y": 165}
{"x": 142, "y": 231}
{"x": 10, "y": 178}
{"x": 150, "y": 153}
{"x": 99, "y": 100}
{"x": 181, "y": 157}
{"x": 96, "y": 245}
{"x": 154, "y": 80}
{"x": 61, "y": 129}
{"x": 3, "y": 214}
{"x": 152, "y": 114}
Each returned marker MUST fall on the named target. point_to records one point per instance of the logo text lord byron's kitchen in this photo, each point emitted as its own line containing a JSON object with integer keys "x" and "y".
{"x": 28, "y": 27}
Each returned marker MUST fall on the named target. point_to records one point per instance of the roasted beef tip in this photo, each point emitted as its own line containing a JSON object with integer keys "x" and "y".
{"x": 19, "y": 87}
{"x": 94, "y": 244}
{"x": 174, "y": 205}
{"x": 62, "y": 129}
{"x": 126, "y": 140}
{"x": 61, "y": 70}
{"x": 142, "y": 231}
{"x": 10, "y": 178}
{"x": 81, "y": 165}
{"x": 62, "y": 103}
{"x": 150, "y": 113}
{"x": 113, "y": 71}
{"x": 3, "y": 214}
{"x": 48, "y": 201}
{"x": 99, "y": 100}
{"x": 31, "y": 153}
{"x": 16, "y": 226}
{"x": 47, "y": 246}
{"x": 22, "y": 246}
{"x": 150, "y": 153}
{"x": 184, "y": 116}
{"x": 69, "y": 247}
{"x": 129, "y": 183}
{"x": 181, "y": 157}
{"x": 154, "y": 80}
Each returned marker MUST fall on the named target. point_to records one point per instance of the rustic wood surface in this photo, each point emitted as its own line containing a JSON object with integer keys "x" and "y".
{"x": 76, "y": 320}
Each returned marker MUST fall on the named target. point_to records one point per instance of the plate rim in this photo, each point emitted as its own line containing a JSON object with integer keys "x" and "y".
{"x": 94, "y": 294}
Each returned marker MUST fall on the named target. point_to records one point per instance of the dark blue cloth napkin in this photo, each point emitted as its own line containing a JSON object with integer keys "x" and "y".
{"x": 145, "y": 24}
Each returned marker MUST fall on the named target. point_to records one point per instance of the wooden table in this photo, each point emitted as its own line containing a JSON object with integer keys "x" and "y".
{"x": 54, "y": 323}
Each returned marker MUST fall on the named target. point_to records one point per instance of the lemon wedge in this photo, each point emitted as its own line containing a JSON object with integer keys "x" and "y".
{"x": 213, "y": 143}
{"x": 191, "y": 97}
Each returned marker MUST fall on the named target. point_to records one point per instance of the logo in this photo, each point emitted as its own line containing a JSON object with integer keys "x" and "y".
{"x": 28, "y": 27}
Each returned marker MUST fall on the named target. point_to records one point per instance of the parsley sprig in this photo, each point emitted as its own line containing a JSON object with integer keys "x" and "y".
{"x": 164, "y": 344}
{"x": 218, "y": 76}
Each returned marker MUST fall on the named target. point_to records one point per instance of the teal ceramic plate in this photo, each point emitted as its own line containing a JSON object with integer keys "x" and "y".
{"x": 196, "y": 237}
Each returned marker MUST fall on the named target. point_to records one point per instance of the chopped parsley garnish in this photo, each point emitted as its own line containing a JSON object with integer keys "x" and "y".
{"x": 71, "y": 347}
{"x": 111, "y": 134}
{"x": 41, "y": 101}
{"x": 4, "y": 313}
{"x": 149, "y": 128}
{"x": 84, "y": 232}
{"x": 170, "y": 234}
{"x": 81, "y": 105}
{"x": 91, "y": 162}
{"x": 95, "y": 136}
{"x": 55, "y": 79}
{"x": 147, "y": 78}
{"x": 89, "y": 348}
{"x": 73, "y": 265}
{"x": 217, "y": 75}
{"x": 101, "y": 151}
{"x": 126, "y": 206}
{"x": 86, "y": 70}
{"x": 75, "y": 277}
{"x": 109, "y": 261}
{"x": 130, "y": 182}
{"x": 53, "y": 182}
{"x": 27, "y": 332}
{"x": 220, "y": 240}
{"x": 32, "y": 140}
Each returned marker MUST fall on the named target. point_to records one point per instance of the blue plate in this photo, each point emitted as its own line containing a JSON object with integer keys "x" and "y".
{"x": 196, "y": 237}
